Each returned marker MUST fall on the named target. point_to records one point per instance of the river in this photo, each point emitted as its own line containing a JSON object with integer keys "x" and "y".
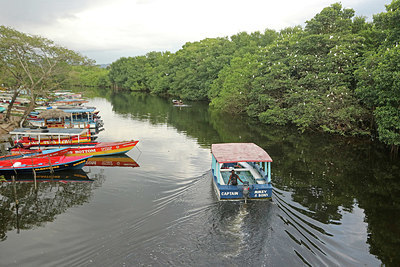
{"x": 336, "y": 201}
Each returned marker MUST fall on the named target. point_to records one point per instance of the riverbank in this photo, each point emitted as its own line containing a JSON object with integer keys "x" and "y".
{"x": 6, "y": 127}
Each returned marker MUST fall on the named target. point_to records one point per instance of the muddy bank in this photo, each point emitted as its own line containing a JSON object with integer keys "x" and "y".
{"x": 5, "y": 128}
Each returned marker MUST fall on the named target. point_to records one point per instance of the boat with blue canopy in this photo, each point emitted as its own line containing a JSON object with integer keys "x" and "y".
{"x": 250, "y": 163}
{"x": 71, "y": 117}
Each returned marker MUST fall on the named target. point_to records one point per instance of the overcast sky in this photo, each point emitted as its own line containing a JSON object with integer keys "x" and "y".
{"x": 105, "y": 30}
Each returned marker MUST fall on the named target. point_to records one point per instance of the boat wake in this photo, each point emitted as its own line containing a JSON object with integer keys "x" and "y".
{"x": 319, "y": 241}
{"x": 186, "y": 218}
{"x": 235, "y": 233}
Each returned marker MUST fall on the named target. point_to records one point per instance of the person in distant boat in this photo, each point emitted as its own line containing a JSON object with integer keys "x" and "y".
{"x": 233, "y": 178}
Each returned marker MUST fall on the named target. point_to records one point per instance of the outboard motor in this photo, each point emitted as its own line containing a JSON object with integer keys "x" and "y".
{"x": 246, "y": 190}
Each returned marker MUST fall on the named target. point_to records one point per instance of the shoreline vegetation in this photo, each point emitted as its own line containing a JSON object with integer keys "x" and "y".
{"x": 339, "y": 74}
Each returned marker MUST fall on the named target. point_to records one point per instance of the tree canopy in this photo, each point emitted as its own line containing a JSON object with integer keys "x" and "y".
{"x": 338, "y": 74}
{"x": 33, "y": 64}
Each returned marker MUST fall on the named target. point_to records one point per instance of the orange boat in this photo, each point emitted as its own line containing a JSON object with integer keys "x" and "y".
{"x": 98, "y": 149}
{"x": 102, "y": 149}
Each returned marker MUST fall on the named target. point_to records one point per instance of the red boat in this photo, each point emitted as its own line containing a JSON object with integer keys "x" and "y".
{"x": 27, "y": 137}
{"x": 34, "y": 153}
{"x": 42, "y": 164}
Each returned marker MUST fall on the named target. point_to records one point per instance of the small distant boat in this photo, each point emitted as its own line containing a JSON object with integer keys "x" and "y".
{"x": 42, "y": 164}
{"x": 250, "y": 162}
{"x": 179, "y": 103}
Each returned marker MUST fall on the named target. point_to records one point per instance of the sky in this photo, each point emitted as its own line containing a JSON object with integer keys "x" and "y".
{"x": 106, "y": 30}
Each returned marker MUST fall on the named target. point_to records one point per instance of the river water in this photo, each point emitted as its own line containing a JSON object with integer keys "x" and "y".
{"x": 336, "y": 201}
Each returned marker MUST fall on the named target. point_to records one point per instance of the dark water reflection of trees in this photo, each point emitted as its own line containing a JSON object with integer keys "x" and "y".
{"x": 23, "y": 207}
{"x": 324, "y": 173}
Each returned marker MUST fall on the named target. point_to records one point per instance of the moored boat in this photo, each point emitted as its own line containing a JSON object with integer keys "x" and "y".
{"x": 97, "y": 149}
{"x": 42, "y": 164}
{"x": 250, "y": 163}
{"x": 103, "y": 149}
{"x": 28, "y": 137}
{"x": 35, "y": 153}
{"x": 67, "y": 117}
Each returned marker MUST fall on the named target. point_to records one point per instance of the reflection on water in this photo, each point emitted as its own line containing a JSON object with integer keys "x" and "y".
{"x": 336, "y": 200}
{"x": 62, "y": 176}
{"x": 325, "y": 178}
{"x": 25, "y": 205}
{"x": 112, "y": 161}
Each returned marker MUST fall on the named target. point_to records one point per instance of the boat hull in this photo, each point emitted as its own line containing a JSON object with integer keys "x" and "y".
{"x": 62, "y": 142}
{"x": 41, "y": 165}
{"x": 91, "y": 149}
{"x": 232, "y": 192}
{"x": 103, "y": 149}
{"x": 21, "y": 152}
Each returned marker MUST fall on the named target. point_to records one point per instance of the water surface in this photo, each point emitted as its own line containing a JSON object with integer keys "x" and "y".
{"x": 335, "y": 202}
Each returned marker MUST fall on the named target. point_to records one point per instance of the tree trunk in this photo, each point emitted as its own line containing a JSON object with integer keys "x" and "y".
{"x": 28, "y": 110}
{"x": 394, "y": 151}
{"x": 11, "y": 104}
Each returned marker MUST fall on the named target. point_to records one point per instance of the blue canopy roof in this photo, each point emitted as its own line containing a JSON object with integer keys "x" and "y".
{"x": 90, "y": 110}
{"x": 76, "y": 110}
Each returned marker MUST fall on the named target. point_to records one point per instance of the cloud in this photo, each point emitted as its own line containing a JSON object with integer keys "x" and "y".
{"x": 368, "y": 8}
{"x": 40, "y": 12}
{"x": 102, "y": 29}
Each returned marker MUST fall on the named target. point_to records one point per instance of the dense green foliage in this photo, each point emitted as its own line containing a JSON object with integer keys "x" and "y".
{"x": 34, "y": 65}
{"x": 338, "y": 74}
{"x": 379, "y": 77}
{"x": 87, "y": 76}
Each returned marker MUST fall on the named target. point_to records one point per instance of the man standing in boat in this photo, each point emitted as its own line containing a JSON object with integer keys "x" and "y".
{"x": 233, "y": 178}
